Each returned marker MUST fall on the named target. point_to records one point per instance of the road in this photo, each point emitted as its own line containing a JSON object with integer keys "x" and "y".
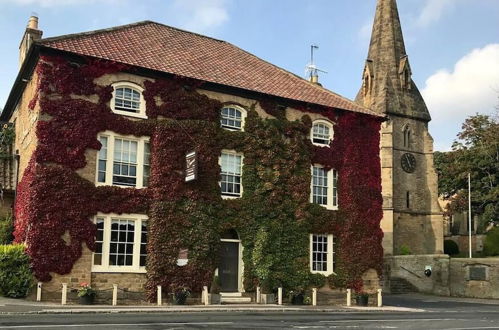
{"x": 438, "y": 314}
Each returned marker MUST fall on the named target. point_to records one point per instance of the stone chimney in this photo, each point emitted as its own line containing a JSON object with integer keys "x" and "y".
{"x": 30, "y": 35}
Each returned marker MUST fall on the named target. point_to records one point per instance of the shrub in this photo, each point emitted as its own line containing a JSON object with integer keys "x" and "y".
{"x": 15, "y": 273}
{"x": 6, "y": 230}
{"x": 491, "y": 244}
{"x": 405, "y": 250}
{"x": 451, "y": 247}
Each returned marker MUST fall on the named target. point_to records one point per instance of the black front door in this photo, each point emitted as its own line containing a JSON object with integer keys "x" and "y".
{"x": 228, "y": 270}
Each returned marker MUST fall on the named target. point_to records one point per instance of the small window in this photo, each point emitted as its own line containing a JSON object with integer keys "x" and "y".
{"x": 407, "y": 136}
{"x": 121, "y": 243}
{"x": 123, "y": 161}
{"x": 322, "y": 133}
{"x": 322, "y": 254}
{"x": 128, "y": 100}
{"x": 324, "y": 187}
{"x": 231, "y": 172}
{"x": 408, "y": 199}
{"x": 232, "y": 118}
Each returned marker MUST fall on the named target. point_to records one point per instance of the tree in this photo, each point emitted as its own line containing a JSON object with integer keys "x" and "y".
{"x": 476, "y": 151}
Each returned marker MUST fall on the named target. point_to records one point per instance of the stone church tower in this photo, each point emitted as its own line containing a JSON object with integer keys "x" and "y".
{"x": 412, "y": 217}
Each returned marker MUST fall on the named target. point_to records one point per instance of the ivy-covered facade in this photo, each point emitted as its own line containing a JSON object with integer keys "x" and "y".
{"x": 296, "y": 185}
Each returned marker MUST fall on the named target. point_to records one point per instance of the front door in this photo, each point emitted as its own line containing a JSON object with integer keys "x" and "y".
{"x": 228, "y": 271}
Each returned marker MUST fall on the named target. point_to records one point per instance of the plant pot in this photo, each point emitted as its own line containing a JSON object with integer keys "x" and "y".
{"x": 86, "y": 300}
{"x": 362, "y": 300}
{"x": 214, "y": 298}
{"x": 179, "y": 299}
{"x": 297, "y": 299}
{"x": 268, "y": 298}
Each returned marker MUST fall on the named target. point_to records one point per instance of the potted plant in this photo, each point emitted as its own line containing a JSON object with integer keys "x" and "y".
{"x": 297, "y": 297}
{"x": 180, "y": 295}
{"x": 215, "y": 291}
{"x": 86, "y": 294}
{"x": 268, "y": 297}
{"x": 362, "y": 298}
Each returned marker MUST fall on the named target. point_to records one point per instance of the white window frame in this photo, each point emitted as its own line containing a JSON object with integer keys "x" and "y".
{"x": 332, "y": 190}
{"x": 105, "y": 267}
{"x": 243, "y": 117}
{"x": 142, "y": 106}
{"x": 111, "y": 136}
{"x": 235, "y": 153}
{"x": 331, "y": 132}
{"x": 330, "y": 255}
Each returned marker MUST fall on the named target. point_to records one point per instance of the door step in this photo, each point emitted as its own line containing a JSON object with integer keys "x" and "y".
{"x": 234, "y": 298}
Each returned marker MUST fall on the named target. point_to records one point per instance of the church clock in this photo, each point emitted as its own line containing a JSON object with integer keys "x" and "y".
{"x": 408, "y": 162}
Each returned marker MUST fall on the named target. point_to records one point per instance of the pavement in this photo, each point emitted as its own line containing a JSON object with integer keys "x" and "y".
{"x": 412, "y": 303}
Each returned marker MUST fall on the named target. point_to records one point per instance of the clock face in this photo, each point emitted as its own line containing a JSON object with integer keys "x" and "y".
{"x": 408, "y": 162}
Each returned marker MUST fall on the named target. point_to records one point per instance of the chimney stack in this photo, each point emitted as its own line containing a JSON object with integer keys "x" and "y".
{"x": 31, "y": 34}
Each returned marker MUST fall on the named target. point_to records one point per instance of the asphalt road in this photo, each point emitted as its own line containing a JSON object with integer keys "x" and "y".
{"x": 439, "y": 314}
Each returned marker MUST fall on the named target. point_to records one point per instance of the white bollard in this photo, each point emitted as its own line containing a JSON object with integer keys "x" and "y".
{"x": 279, "y": 296}
{"x": 205, "y": 295}
{"x": 115, "y": 294}
{"x": 349, "y": 297}
{"x": 159, "y": 296}
{"x": 314, "y": 296}
{"x": 39, "y": 292}
{"x": 64, "y": 293}
{"x": 258, "y": 295}
{"x": 380, "y": 298}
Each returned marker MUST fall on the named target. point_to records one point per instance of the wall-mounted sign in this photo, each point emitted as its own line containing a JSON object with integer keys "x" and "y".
{"x": 183, "y": 258}
{"x": 191, "y": 166}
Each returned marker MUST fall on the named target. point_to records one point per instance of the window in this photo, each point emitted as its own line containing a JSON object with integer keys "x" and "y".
{"x": 408, "y": 199}
{"x": 322, "y": 133}
{"x": 407, "y": 136}
{"x": 322, "y": 254}
{"x": 232, "y": 118}
{"x": 123, "y": 161}
{"x": 231, "y": 170}
{"x": 324, "y": 187}
{"x": 128, "y": 100}
{"x": 120, "y": 243}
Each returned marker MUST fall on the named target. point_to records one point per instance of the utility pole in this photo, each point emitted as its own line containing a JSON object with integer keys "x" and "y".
{"x": 469, "y": 211}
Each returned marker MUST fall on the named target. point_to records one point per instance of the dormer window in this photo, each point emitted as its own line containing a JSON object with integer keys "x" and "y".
{"x": 128, "y": 100}
{"x": 232, "y": 118}
{"x": 322, "y": 133}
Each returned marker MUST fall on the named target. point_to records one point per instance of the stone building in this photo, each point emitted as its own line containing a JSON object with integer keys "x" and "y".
{"x": 153, "y": 156}
{"x": 412, "y": 218}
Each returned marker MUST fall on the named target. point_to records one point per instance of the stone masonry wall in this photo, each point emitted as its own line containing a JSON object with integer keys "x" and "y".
{"x": 459, "y": 277}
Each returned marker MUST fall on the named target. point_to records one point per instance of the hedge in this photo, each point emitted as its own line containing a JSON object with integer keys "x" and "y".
{"x": 450, "y": 247}
{"x": 491, "y": 244}
{"x": 16, "y": 278}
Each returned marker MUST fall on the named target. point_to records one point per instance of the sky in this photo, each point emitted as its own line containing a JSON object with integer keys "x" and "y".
{"x": 453, "y": 45}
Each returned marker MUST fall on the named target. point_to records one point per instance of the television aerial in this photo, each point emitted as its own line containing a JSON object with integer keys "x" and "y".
{"x": 311, "y": 70}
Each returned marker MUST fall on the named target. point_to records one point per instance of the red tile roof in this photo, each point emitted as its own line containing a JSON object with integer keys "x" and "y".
{"x": 163, "y": 48}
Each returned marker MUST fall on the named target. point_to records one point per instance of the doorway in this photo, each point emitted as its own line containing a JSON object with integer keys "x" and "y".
{"x": 229, "y": 269}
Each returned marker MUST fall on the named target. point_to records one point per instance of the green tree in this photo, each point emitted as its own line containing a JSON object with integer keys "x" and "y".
{"x": 476, "y": 151}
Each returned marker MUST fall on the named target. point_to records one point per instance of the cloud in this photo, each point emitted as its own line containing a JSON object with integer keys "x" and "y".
{"x": 472, "y": 86}
{"x": 201, "y": 15}
{"x": 433, "y": 10}
{"x": 52, "y": 3}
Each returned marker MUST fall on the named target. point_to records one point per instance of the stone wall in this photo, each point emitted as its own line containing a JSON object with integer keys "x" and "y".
{"x": 476, "y": 278}
{"x": 463, "y": 242}
{"x": 460, "y": 277}
{"x": 411, "y": 268}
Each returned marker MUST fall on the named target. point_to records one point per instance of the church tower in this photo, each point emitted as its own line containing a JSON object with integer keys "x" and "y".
{"x": 412, "y": 218}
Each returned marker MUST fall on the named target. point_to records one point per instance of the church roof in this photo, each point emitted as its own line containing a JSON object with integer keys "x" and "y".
{"x": 387, "y": 60}
{"x": 163, "y": 48}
